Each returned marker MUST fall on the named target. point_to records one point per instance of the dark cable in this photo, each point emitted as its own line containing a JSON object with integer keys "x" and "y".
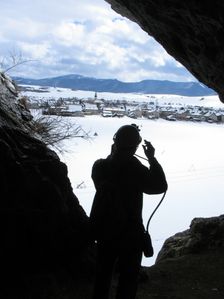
{"x": 147, "y": 226}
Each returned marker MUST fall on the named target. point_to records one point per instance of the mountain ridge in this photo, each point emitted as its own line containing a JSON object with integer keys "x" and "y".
{"x": 79, "y": 82}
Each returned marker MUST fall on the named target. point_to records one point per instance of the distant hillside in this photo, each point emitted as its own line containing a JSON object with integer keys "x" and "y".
{"x": 79, "y": 82}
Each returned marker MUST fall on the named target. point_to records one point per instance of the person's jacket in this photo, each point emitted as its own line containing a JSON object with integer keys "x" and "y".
{"x": 131, "y": 179}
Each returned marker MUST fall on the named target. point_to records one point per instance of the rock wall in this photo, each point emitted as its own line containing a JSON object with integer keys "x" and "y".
{"x": 204, "y": 234}
{"x": 42, "y": 224}
{"x": 190, "y": 31}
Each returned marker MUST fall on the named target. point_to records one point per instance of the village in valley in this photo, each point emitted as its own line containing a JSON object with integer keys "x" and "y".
{"x": 152, "y": 109}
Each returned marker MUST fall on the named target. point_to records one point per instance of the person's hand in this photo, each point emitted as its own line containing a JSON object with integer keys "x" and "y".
{"x": 149, "y": 150}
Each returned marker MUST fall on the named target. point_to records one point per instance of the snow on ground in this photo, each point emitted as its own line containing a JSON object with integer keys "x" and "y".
{"x": 190, "y": 153}
{"x": 56, "y": 93}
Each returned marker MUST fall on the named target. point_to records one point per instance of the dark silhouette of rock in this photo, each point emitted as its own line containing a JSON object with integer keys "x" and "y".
{"x": 42, "y": 225}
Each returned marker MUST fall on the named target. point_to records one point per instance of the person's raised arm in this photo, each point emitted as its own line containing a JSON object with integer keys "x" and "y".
{"x": 154, "y": 180}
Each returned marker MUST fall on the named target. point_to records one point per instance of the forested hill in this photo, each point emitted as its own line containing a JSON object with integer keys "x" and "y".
{"x": 79, "y": 82}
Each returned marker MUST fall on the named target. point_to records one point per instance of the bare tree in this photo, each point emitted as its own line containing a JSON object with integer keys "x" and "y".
{"x": 14, "y": 59}
{"x": 55, "y": 129}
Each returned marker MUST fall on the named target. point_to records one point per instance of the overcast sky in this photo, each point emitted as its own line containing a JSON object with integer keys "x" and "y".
{"x": 83, "y": 37}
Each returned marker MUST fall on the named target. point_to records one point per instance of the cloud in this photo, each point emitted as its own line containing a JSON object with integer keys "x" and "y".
{"x": 36, "y": 51}
{"x": 85, "y": 37}
{"x": 70, "y": 34}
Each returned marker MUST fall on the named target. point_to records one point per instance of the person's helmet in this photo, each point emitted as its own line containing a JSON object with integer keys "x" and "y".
{"x": 127, "y": 136}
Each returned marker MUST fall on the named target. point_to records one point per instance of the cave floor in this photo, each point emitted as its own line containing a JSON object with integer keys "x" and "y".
{"x": 195, "y": 276}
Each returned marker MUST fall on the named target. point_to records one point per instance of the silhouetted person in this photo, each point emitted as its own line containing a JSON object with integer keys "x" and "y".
{"x": 128, "y": 179}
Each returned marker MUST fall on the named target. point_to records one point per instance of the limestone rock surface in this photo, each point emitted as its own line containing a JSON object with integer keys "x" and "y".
{"x": 204, "y": 234}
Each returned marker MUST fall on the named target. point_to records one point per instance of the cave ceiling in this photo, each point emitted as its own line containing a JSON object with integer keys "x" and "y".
{"x": 191, "y": 31}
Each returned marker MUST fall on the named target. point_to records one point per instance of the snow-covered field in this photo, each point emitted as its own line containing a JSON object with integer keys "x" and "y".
{"x": 191, "y": 154}
{"x": 56, "y": 93}
{"x": 192, "y": 157}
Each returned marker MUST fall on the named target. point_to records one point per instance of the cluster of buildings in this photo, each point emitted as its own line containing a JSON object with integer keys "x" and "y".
{"x": 117, "y": 108}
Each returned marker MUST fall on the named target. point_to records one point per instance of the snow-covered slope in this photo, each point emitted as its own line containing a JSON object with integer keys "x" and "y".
{"x": 38, "y": 92}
